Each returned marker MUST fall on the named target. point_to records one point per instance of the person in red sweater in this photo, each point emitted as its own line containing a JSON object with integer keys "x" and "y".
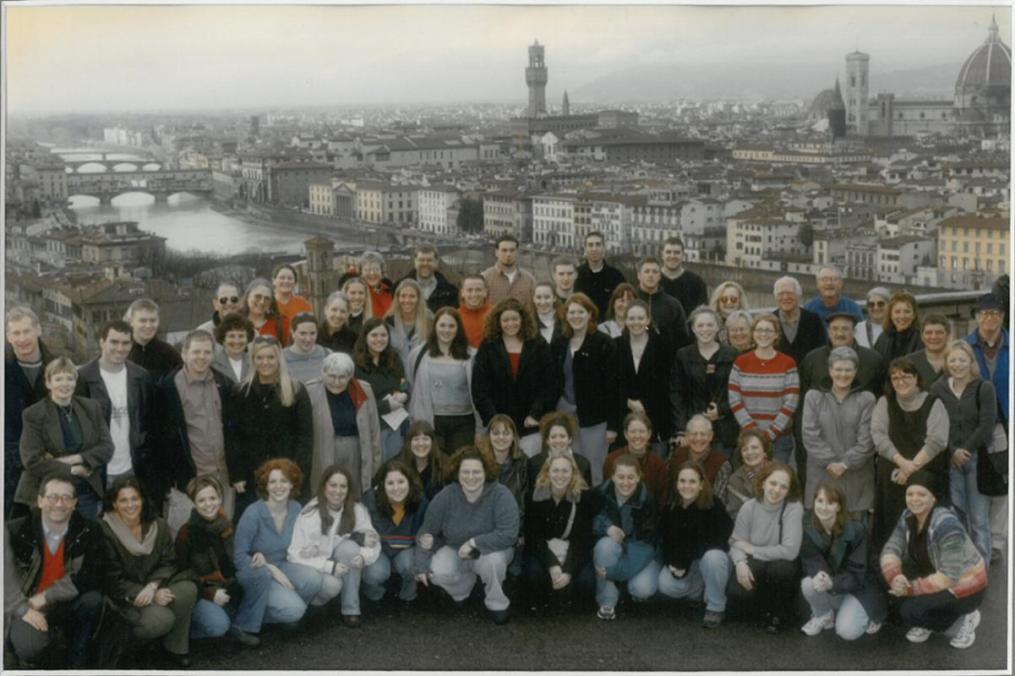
{"x": 638, "y": 434}
{"x": 379, "y": 287}
{"x": 474, "y": 307}
{"x": 699, "y": 436}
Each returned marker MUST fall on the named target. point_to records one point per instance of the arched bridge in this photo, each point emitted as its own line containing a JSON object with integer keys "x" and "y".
{"x": 74, "y": 166}
{"x": 160, "y": 184}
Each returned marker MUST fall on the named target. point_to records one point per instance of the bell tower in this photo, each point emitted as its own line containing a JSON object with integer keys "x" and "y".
{"x": 857, "y": 69}
{"x": 535, "y": 78}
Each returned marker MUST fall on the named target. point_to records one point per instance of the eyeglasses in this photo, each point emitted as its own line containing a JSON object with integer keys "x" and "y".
{"x": 902, "y": 377}
{"x": 876, "y": 303}
{"x": 764, "y": 331}
{"x": 989, "y": 313}
{"x": 229, "y": 299}
{"x": 269, "y": 340}
{"x": 57, "y": 499}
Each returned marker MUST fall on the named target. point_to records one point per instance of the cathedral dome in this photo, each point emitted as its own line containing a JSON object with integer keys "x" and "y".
{"x": 829, "y": 99}
{"x": 988, "y": 66}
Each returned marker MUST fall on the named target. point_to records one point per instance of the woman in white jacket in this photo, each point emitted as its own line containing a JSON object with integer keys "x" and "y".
{"x": 440, "y": 377}
{"x": 334, "y": 536}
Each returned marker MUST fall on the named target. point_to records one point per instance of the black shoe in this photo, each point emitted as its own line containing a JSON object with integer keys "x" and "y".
{"x": 500, "y": 616}
{"x": 774, "y": 625}
{"x": 242, "y": 637}
{"x": 352, "y": 621}
{"x": 292, "y": 627}
{"x": 712, "y": 619}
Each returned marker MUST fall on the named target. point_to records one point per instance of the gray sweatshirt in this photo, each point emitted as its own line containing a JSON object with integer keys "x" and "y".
{"x": 971, "y": 427}
{"x": 758, "y": 523}
{"x": 305, "y": 367}
{"x": 491, "y": 521}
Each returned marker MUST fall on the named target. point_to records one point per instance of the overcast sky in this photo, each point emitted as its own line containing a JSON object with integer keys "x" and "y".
{"x": 68, "y": 58}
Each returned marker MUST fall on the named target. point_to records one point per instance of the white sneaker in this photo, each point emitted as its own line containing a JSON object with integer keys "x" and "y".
{"x": 873, "y": 627}
{"x": 918, "y": 635}
{"x": 967, "y": 632}
{"x": 974, "y": 618}
{"x": 606, "y": 613}
{"x": 816, "y": 625}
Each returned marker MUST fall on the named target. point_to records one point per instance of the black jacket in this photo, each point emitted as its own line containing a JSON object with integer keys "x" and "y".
{"x": 594, "y": 366}
{"x": 599, "y": 286}
{"x": 125, "y": 575}
{"x": 848, "y": 561}
{"x": 644, "y": 512}
{"x": 893, "y": 345}
{"x": 537, "y": 461}
{"x": 810, "y": 335}
{"x": 141, "y": 410}
{"x": 689, "y": 393}
{"x": 546, "y": 519}
{"x": 176, "y": 464}
{"x": 266, "y": 429}
{"x": 82, "y": 556}
{"x": 689, "y": 288}
{"x": 533, "y": 393}
{"x": 689, "y": 532}
{"x": 445, "y": 295}
{"x": 157, "y": 357}
{"x": 650, "y": 385}
{"x": 668, "y": 317}
{"x": 19, "y": 393}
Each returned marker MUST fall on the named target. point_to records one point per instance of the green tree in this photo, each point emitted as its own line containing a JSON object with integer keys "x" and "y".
{"x": 806, "y": 234}
{"x": 470, "y": 215}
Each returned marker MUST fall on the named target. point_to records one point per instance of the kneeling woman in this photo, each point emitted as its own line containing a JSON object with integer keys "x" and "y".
{"x": 695, "y": 533}
{"x": 204, "y": 545}
{"x": 765, "y": 545}
{"x": 839, "y": 584}
{"x": 625, "y": 532}
{"x": 558, "y": 529}
{"x": 397, "y": 506}
{"x": 141, "y": 571}
{"x": 470, "y": 529}
{"x": 274, "y": 590}
{"x": 334, "y": 536}
{"x": 931, "y": 564}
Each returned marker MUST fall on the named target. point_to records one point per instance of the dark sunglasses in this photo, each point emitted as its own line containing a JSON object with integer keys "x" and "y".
{"x": 229, "y": 299}
{"x": 876, "y": 303}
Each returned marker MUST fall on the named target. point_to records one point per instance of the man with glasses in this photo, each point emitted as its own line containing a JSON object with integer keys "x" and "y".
{"x": 990, "y": 345}
{"x": 802, "y": 330}
{"x": 868, "y": 330}
{"x": 830, "y": 298}
{"x": 226, "y": 300}
{"x": 596, "y": 278}
{"x": 52, "y": 577}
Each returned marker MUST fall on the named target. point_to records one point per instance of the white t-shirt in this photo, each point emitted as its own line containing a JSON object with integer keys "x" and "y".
{"x": 119, "y": 421}
{"x": 237, "y": 365}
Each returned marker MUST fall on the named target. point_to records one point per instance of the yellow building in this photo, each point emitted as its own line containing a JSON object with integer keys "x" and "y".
{"x": 973, "y": 250}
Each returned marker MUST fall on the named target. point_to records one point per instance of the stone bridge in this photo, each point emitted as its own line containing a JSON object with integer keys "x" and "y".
{"x": 161, "y": 184}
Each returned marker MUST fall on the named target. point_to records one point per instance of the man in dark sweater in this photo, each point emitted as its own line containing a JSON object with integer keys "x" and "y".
{"x": 25, "y": 358}
{"x": 149, "y": 351}
{"x": 802, "y": 330}
{"x": 678, "y": 281}
{"x": 437, "y": 290}
{"x": 668, "y": 316}
{"x": 596, "y": 278}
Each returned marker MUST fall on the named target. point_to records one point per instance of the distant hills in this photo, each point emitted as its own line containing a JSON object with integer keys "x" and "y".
{"x": 754, "y": 81}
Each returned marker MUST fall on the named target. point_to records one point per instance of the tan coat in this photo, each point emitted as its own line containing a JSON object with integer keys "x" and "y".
{"x": 367, "y": 423}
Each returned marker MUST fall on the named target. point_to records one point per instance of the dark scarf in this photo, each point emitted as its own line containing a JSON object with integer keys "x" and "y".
{"x": 205, "y": 535}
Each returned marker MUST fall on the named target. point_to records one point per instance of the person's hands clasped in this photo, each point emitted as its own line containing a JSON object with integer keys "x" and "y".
{"x": 163, "y": 597}
{"x": 145, "y": 597}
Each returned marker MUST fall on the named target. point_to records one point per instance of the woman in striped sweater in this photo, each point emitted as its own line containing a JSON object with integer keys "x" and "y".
{"x": 764, "y": 388}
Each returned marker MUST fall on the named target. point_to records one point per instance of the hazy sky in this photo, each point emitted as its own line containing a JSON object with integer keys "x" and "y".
{"x": 84, "y": 58}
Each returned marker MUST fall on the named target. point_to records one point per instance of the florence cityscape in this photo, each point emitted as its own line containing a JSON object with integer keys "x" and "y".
{"x": 162, "y": 151}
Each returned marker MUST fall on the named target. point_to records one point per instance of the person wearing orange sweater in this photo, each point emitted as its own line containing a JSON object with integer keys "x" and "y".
{"x": 474, "y": 307}
{"x": 283, "y": 280}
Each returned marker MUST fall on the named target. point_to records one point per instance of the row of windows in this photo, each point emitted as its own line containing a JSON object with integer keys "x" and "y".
{"x": 1001, "y": 267}
{"x": 952, "y": 231}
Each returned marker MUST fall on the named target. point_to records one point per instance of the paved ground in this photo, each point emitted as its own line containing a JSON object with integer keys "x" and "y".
{"x": 662, "y": 636}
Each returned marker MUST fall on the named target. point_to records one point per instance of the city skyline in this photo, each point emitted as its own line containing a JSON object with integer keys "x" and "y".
{"x": 64, "y": 59}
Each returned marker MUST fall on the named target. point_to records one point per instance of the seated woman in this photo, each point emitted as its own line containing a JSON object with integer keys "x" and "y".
{"x": 557, "y": 431}
{"x": 933, "y": 568}
{"x": 347, "y": 430}
{"x": 470, "y": 529}
{"x": 558, "y": 529}
{"x": 204, "y": 546}
{"x": 755, "y": 453}
{"x": 397, "y": 506}
{"x": 840, "y": 584}
{"x": 698, "y": 439}
{"x": 423, "y": 456}
{"x": 502, "y": 444}
{"x": 141, "y": 573}
{"x": 333, "y": 536}
{"x": 625, "y": 534}
{"x": 275, "y": 590}
{"x": 638, "y": 434}
{"x": 765, "y": 545}
{"x": 695, "y": 541}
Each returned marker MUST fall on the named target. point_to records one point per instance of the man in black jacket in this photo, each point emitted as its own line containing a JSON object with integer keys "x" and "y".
{"x": 149, "y": 351}
{"x": 52, "y": 577}
{"x": 684, "y": 285}
{"x": 126, "y": 394}
{"x": 437, "y": 290}
{"x": 802, "y": 330}
{"x": 25, "y": 359}
{"x": 668, "y": 316}
{"x": 596, "y": 278}
{"x": 195, "y": 415}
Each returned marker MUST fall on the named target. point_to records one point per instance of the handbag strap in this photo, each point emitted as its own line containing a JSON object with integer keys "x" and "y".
{"x": 570, "y": 521}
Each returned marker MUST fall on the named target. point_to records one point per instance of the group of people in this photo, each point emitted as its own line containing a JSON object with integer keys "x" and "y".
{"x": 563, "y": 441}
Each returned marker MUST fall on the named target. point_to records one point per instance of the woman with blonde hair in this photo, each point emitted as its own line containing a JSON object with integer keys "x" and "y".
{"x": 358, "y": 294}
{"x": 727, "y": 297}
{"x": 273, "y": 415}
{"x": 408, "y": 319}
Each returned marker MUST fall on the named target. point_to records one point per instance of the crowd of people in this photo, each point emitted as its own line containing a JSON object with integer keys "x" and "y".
{"x": 567, "y": 443}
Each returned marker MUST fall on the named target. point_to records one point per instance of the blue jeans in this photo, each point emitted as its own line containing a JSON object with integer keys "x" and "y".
{"x": 641, "y": 584}
{"x": 972, "y": 507}
{"x": 266, "y": 601}
{"x": 209, "y": 620}
{"x": 851, "y": 621}
{"x": 782, "y": 448}
{"x": 378, "y": 572}
{"x": 706, "y": 577}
